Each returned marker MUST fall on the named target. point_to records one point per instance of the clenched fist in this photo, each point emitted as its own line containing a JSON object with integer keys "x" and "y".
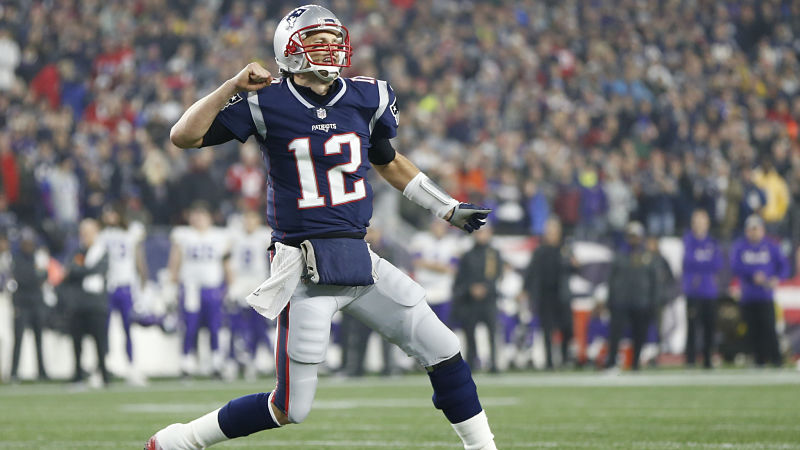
{"x": 252, "y": 78}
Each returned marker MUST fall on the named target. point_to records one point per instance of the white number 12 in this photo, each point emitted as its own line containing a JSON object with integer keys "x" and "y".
{"x": 301, "y": 147}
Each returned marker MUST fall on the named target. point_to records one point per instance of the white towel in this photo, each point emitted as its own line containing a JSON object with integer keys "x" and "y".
{"x": 271, "y": 297}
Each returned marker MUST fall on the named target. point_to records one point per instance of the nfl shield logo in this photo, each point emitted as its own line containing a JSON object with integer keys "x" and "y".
{"x": 322, "y": 113}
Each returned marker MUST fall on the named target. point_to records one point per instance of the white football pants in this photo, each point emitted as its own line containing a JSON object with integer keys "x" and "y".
{"x": 394, "y": 306}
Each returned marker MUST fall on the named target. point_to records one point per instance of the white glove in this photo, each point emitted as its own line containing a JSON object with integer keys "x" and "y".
{"x": 469, "y": 217}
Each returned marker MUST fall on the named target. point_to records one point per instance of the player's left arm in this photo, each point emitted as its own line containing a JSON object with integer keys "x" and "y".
{"x": 404, "y": 176}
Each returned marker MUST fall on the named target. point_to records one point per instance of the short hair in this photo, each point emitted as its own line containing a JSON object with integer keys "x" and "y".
{"x": 200, "y": 206}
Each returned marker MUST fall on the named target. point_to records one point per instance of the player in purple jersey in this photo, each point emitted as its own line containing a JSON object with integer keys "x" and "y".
{"x": 317, "y": 132}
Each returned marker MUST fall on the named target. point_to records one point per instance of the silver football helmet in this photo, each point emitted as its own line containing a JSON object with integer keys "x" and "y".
{"x": 293, "y": 56}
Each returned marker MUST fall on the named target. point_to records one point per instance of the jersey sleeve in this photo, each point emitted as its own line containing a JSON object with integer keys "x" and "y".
{"x": 236, "y": 117}
{"x": 386, "y": 116}
{"x": 176, "y": 236}
{"x": 137, "y": 231}
{"x": 224, "y": 240}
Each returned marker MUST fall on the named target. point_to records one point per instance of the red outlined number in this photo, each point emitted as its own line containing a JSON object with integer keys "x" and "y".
{"x": 364, "y": 79}
{"x": 301, "y": 147}
{"x": 333, "y": 146}
{"x": 311, "y": 198}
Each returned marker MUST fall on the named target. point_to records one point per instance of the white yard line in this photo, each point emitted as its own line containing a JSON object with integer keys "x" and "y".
{"x": 410, "y": 444}
{"x": 352, "y": 403}
{"x": 532, "y": 380}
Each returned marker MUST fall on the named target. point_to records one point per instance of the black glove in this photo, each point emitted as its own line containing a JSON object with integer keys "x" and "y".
{"x": 469, "y": 217}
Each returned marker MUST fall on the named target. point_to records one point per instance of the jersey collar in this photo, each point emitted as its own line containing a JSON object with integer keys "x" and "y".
{"x": 308, "y": 104}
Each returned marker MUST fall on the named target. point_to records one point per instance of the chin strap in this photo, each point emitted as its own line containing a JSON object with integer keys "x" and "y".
{"x": 324, "y": 73}
{"x": 328, "y": 77}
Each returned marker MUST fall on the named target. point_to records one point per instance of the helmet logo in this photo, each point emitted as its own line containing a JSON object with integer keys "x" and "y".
{"x": 294, "y": 15}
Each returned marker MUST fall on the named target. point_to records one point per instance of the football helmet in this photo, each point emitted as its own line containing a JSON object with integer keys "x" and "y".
{"x": 293, "y": 56}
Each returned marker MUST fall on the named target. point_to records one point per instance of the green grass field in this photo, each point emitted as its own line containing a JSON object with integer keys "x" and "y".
{"x": 658, "y": 410}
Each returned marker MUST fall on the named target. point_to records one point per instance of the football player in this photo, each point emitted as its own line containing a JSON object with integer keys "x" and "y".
{"x": 127, "y": 268}
{"x": 249, "y": 266}
{"x": 197, "y": 261}
{"x": 319, "y": 133}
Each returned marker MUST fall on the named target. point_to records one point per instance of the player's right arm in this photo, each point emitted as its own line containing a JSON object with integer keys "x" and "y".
{"x": 188, "y": 132}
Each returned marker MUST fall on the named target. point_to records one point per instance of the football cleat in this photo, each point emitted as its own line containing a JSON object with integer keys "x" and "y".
{"x": 152, "y": 444}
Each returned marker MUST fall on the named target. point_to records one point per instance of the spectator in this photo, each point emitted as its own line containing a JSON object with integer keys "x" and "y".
{"x": 9, "y": 59}
{"x": 567, "y": 201}
{"x": 156, "y": 191}
{"x": 659, "y": 189}
{"x": 754, "y": 199}
{"x": 621, "y": 201}
{"x": 593, "y": 207}
{"x": 29, "y": 308}
{"x": 759, "y": 265}
{"x": 777, "y": 193}
{"x": 246, "y": 178}
{"x": 199, "y": 183}
{"x": 84, "y": 292}
{"x": 537, "y": 208}
{"x": 632, "y": 294}
{"x": 64, "y": 189}
{"x": 547, "y": 286}
{"x": 475, "y": 294}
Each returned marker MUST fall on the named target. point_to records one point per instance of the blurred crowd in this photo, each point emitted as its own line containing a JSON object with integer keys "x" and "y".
{"x": 597, "y": 112}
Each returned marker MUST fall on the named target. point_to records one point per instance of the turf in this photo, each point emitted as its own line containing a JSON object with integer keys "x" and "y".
{"x": 659, "y": 410}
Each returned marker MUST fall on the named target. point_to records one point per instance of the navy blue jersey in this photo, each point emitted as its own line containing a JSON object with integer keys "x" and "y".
{"x": 316, "y": 154}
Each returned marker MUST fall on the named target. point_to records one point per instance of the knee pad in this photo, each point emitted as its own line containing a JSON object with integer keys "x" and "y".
{"x": 302, "y": 387}
{"x": 301, "y": 400}
{"x": 429, "y": 340}
{"x": 454, "y": 391}
{"x": 308, "y": 340}
{"x": 298, "y": 413}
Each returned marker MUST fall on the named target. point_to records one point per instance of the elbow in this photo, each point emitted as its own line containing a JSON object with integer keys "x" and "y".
{"x": 180, "y": 139}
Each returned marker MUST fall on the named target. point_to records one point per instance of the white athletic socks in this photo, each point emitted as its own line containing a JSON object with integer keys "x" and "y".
{"x": 206, "y": 430}
{"x": 195, "y": 435}
{"x": 475, "y": 433}
{"x": 177, "y": 436}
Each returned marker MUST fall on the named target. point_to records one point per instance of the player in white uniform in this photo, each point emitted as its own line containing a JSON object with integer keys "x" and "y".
{"x": 249, "y": 264}
{"x": 435, "y": 256}
{"x": 320, "y": 133}
{"x": 126, "y": 270}
{"x": 197, "y": 260}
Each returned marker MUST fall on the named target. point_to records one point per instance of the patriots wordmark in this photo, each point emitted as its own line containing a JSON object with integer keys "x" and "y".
{"x": 323, "y": 127}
